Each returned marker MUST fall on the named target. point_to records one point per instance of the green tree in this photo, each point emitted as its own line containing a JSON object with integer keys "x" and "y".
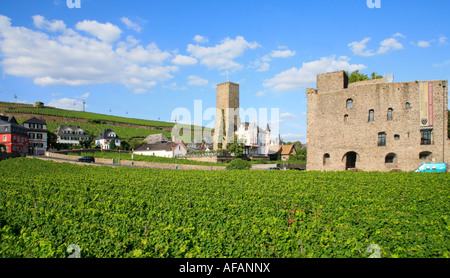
{"x": 112, "y": 144}
{"x": 236, "y": 147}
{"x": 356, "y": 76}
{"x": 87, "y": 143}
{"x": 239, "y": 164}
{"x": 124, "y": 145}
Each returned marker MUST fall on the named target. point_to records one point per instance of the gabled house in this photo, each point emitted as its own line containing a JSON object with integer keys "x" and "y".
{"x": 105, "y": 138}
{"x": 169, "y": 149}
{"x": 70, "y": 135}
{"x": 285, "y": 150}
{"x": 13, "y": 136}
{"x": 37, "y": 131}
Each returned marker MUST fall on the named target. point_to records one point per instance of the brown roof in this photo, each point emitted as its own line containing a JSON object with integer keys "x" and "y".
{"x": 287, "y": 149}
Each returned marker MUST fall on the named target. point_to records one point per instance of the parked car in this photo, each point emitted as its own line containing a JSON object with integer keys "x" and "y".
{"x": 88, "y": 159}
{"x": 432, "y": 167}
{"x": 273, "y": 168}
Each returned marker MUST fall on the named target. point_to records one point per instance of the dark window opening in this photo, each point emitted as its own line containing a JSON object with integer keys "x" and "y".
{"x": 408, "y": 105}
{"x": 425, "y": 155}
{"x": 350, "y": 160}
{"x": 396, "y": 137}
{"x": 326, "y": 159}
{"x": 425, "y": 137}
{"x": 345, "y": 118}
{"x": 390, "y": 158}
{"x": 381, "y": 139}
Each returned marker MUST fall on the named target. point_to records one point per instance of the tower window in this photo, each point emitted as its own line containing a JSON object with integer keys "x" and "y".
{"x": 381, "y": 139}
{"x": 371, "y": 115}
{"x": 326, "y": 159}
{"x": 425, "y": 137}
{"x": 345, "y": 118}
{"x": 389, "y": 114}
{"x": 408, "y": 105}
{"x": 349, "y": 103}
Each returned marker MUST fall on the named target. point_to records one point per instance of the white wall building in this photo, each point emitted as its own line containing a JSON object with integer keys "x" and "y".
{"x": 70, "y": 135}
{"x": 169, "y": 149}
{"x": 105, "y": 138}
{"x": 255, "y": 139}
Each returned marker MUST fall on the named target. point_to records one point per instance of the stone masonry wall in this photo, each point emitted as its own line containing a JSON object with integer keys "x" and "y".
{"x": 335, "y": 130}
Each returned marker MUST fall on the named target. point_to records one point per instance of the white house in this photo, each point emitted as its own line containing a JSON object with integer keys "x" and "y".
{"x": 105, "y": 138}
{"x": 256, "y": 140}
{"x": 70, "y": 135}
{"x": 169, "y": 149}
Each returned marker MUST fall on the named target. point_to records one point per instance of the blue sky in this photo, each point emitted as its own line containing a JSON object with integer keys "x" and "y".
{"x": 145, "y": 59}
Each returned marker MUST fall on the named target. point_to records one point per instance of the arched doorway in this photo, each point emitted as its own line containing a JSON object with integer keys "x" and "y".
{"x": 350, "y": 160}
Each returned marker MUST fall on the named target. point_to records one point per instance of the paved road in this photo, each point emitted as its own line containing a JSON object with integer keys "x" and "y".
{"x": 61, "y": 160}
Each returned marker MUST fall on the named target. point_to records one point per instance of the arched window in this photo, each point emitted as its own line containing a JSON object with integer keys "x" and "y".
{"x": 349, "y": 103}
{"x": 408, "y": 105}
{"x": 381, "y": 139}
{"x": 371, "y": 115}
{"x": 389, "y": 114}
{"x": 345, "y": 118}
{"x": 326, "y": 159}
{"x": 425, "y": 156}
{"x": 390, "y": 158}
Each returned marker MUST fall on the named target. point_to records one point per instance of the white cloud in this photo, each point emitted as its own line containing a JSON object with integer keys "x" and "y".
{"x": 399, "y": 35}
{"x": 389, "y": 44}
{"x": 443, "y": 40}
{"x": 221, "y": 56}
{"x": 298, "y": 78}
{"x": 67, "y": 103}
{"x": 197, "y": 81}
{"x": 424, "y": 44}
{"x": 106, "y": 32}
{"x": 260, "y": 93}
{"x": 131, "y": 25}
{"x": 262, "y": 64}
{"x": 150, "y": 54}
{"x": 184, "y": 60}
{"x": 287, "y": 116}
{"x": 84, "y": 96}
{"x": 200, "y": 39}
{"x": 73, "y": 59}
{"x": 360, "y": 48}
{"x": 282, "y": 53}
{"x": 54, "y": 26}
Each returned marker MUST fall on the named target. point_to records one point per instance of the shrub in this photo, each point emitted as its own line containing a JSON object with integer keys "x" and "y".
{"x": 239, "y": 164}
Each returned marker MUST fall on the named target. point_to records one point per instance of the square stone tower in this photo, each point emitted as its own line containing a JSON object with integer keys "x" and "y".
{"x": 227, "y": 114}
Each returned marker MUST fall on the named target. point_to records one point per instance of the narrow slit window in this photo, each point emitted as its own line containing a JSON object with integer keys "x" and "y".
{"x": 389, "y": 114}
{"x": 381, "y": 139}
{"x": 371, "y": 115}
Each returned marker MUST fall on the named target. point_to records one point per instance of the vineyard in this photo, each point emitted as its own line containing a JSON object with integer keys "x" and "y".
{"x": 46, "y": 207}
